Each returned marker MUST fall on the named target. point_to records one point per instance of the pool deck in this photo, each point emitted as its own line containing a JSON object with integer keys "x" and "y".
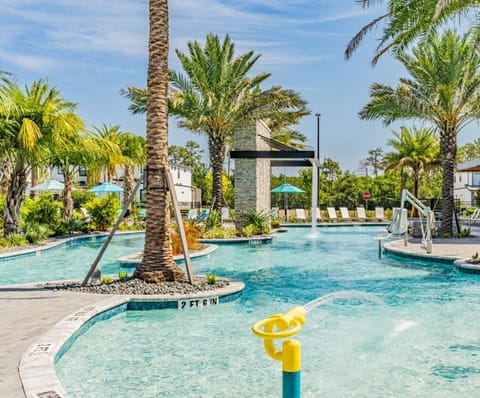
{"x": 28, "y": 312}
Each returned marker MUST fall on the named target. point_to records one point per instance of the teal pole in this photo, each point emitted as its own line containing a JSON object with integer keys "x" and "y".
{"x": 291, "y": 384}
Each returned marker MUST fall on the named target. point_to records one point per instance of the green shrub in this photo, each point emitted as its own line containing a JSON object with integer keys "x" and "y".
{"x": 80, "y": 197}
{"x": 42, "y": 210}
{"x": 106, "y": 279}
{"x": 104, "y": 211}
{"x": 13, "y": 241}
{"x": 211, "y": 279}
{"x": 248, "y": 231}
{"x": 35, "y": 232}
{"x": 213, "y": 220}
{"x": 122, "y": 275}
{"x": 220, "y": 233}
{"x": 259, "y": 220}
{"x": 275, "y": 224}
{"x": 464, "y": 233}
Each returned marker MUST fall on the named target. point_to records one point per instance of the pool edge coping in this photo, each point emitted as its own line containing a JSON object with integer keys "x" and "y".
{"x": 36, "y": 368}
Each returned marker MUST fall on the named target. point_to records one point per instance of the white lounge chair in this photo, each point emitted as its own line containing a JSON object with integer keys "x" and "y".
{"x": 361, "y": 214}
{"x": 300, "y": 215}
{"x": 225, "y": 216}
{"x": 332, "y": 214}
{"x": 344, "y": 213}
{"x": 380, "y": 213}
{"x": 192, "y": 214}
{"x": 318, "y": 215}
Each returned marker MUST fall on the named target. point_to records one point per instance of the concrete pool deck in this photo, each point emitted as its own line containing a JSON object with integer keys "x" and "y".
{"x": 28, "y": 312}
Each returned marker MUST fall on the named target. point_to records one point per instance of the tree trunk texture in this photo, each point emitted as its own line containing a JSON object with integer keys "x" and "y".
{"x": 14, "y": 199}
{"x": 217, "y": 157}
{"x": 157, "y": 263}
{"x": 67, "y": 195}
{"x": 128, "y": 185}
{"x": 416, "y": 176}
{"x": 448, "y": 148}
{"x": 33, "y": 182}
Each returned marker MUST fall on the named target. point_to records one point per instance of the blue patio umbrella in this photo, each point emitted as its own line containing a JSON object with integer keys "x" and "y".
{"x": 49, "y": 186}
{"x": 106, "y": 187}
{"x": 285, "y": 189}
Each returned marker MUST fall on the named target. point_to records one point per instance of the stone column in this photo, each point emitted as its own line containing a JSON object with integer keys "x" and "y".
{"x": 252, "y": 176}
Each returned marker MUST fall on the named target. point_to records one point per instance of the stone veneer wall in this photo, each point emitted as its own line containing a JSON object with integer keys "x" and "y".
{"x": 252, "y": 176}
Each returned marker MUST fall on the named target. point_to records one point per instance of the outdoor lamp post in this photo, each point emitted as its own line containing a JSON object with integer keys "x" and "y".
{"x": 318, "y": 136}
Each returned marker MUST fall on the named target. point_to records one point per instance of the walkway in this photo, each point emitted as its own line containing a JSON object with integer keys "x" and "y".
{"x": 25, "y": 314}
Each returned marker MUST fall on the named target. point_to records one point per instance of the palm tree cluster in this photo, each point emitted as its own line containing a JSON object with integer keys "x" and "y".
{"x": 442, "y": 90}
{"x": 38, "y": 130}
{"x": 215, "y": 95}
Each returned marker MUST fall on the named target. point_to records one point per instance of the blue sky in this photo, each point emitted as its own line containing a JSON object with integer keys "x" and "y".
{"x": 91, "y": 49}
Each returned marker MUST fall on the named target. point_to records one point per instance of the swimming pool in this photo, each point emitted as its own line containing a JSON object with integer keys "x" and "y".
{"x": 70, "y": 260}
{"x": 424, "y": 341}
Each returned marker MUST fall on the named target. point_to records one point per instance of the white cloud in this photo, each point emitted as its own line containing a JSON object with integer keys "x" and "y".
{"x": 28, "y": 62}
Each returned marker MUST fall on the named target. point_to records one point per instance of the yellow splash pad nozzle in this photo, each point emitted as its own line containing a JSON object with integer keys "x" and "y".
{"x": 280, "y": 326}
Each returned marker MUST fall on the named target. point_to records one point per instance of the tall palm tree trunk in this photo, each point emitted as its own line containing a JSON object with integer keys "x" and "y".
{"x": 128, "y": 185}
{"x": 217, "y": 156}
{"x": 157, "y": 263}
{"x": 33, "y": 182}
{"x": 67, "y": 195}
{"x": 13, "y": 201}
{"x": 448, "y": 149}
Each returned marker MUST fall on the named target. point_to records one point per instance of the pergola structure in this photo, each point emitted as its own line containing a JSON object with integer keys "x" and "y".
{"x": 259, "y": 147}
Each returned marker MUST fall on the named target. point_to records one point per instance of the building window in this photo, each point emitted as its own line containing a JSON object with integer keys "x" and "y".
{"x": 59, "y": 171}
{"x": 82, "y": 171}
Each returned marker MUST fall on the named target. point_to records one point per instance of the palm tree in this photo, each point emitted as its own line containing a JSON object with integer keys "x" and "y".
{"x": 81, "y": 150}
{"x": 215, "y": 96}
{"x": 416, "y": 149}
{"x": 443, "y": 90}
{"x": 113, "y": 158}
{"x": 157, "y": 263}
{"x": 133, "y": 150}
{"x": 290, "y": 137}
{"x": 407, "y": 20}
{"x": 34, "y": 120}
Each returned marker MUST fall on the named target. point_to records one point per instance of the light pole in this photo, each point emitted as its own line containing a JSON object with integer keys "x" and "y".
{"x": 315, "y": 178}
{"x": 317, "y": 115}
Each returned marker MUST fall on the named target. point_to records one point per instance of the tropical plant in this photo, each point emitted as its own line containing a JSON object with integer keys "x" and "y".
{"x": 104, "y": 211}
{"x": 157, "y": 262}
{"x": 133, "y": 151}
{"x": 415, "y": 149}
{"x": 259, "y": 220}
{"x": 290, "y": 137}
{"x": 443, "y": 90}
{"x": 469, "y": 151}
{"x": 32, "y": 121}
{"x": 407, "y": 20}
{"x": 216, "y": 96}
{"x": 79, "y": 150}
{"x": 110, "y": 159}
{"x": 211, "y": 279}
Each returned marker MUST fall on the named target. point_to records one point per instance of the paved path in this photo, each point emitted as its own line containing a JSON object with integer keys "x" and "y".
{"x": 25, "y": 314}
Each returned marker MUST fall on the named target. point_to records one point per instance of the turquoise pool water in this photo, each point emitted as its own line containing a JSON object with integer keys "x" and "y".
{"x": 70, "y": 260}
{"x": 425, "y": 341}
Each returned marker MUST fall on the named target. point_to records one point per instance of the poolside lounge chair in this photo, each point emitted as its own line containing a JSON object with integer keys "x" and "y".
{"x": 345, "y": 215}
{"x": 300, "y": 215}
{"x": 192, "y": 214}
{"x": 318, "y": 215}
{"x": 379, "y": 214}
{"x": 361, "y": 214}
{"x": 203, "y": 215}
{"x": 332, "y": 214}
{"x": 225, "y": 216}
